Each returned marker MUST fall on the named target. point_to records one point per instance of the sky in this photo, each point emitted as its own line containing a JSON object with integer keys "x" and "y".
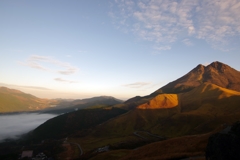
{"x": 122, "y": 48}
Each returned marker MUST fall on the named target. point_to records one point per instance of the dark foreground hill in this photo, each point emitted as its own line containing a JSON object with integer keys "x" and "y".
{"x": 64, "y": 125}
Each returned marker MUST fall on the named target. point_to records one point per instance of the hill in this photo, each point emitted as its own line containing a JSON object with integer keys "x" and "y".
{"x": 199, "y": 111}
{"x": 88, "y": 103}
{"x": 16, "y": 101}
{"x": 69, "y": 123}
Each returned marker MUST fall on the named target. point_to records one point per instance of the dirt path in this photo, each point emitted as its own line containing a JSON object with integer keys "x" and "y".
{"x": 77, "y": 144}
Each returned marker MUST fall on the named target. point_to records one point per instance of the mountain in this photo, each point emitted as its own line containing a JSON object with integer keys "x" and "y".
{"x": 198, "y": 111}
{"x": 16, "y": 101}
{"x": 95, "y": 102}
{"x": 216, "y": 73}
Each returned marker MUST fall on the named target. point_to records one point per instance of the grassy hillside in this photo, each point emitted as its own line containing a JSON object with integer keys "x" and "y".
{"x": 175, "y": 148}
{"x": 161, "y": 101}
{"x": 66, "y": 124}
{"x": 197, "y": 112}
{"x": 15, "y": 101}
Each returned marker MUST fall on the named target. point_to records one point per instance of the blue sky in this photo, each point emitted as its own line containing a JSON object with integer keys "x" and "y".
{"x": 79, "y": 49}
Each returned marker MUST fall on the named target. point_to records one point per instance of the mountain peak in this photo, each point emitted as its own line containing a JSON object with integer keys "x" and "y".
{"x": 218, "y": 66}
{"x": 216, "y": 73}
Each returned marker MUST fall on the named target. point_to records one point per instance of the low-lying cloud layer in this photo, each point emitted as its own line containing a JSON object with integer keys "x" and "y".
{"x": 14, "y": 125}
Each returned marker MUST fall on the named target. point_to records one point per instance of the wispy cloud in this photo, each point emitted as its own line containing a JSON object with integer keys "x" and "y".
{"x": 162, "y": 48}
{"x": 39, "y": 62}
{"x": 137, "y": 84}
{"x": 64, "y": 80}
{"x": 22, "y": 86}
{"x": 187, "y": 42}
{"x": 165, "y": 22}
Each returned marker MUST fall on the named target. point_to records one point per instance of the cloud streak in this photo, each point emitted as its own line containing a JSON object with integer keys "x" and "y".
{"x": 165, "y": 22}
{"x": 39, "y": 62}
{"x": 64, "y": 80}
{"x": 137, "y": 84}
{"x": 30, "y": 87}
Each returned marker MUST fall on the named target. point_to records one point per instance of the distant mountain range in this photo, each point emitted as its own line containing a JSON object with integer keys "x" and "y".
{"x": 16, "y": 101}
{"x": 12, "y": 100}
{"x": 88, "y": 103}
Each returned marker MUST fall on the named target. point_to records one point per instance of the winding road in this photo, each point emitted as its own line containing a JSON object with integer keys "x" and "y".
{"x": 77, "y": 144}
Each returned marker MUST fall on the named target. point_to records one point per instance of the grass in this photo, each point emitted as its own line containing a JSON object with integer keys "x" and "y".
{"x": 116, "y": 154}
{"x": 15, "y": 101}
{"x": 161, "y": 101}
{"x": 187, "y": 146}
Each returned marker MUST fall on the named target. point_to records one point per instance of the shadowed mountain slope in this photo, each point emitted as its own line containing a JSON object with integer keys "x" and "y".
{"x": 66, "y": 124}
{"x": 172, "y": 115}
{"x": 168, "y": 115}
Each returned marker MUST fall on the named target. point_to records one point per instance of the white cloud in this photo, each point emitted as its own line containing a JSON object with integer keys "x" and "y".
{"x": 137, "y": 84}
{"x": 165, "y": 22}
{"x": 162, "y": 48}
{"x": 22, "y": 86}
{"x": 64, "y": 80}
{"x": 187, "y": 42}
{"x": 39, "y": 62}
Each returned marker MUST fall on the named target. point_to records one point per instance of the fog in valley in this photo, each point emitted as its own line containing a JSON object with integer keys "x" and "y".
{"x": 13, "y": 125}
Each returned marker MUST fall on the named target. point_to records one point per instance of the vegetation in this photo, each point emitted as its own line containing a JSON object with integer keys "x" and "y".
{"x": 66, "y": 124}
{"x": 17, "y": 101}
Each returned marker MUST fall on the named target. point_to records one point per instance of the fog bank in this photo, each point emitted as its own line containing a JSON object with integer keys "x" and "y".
{"x": 11, "y": 126}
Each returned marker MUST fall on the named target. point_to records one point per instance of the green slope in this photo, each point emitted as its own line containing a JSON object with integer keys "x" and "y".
{"x": 15, "y": 101}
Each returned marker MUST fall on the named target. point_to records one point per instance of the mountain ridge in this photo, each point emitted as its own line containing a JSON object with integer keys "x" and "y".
{"x": 217, "y": 73}
{"x": 13, "y": 100}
